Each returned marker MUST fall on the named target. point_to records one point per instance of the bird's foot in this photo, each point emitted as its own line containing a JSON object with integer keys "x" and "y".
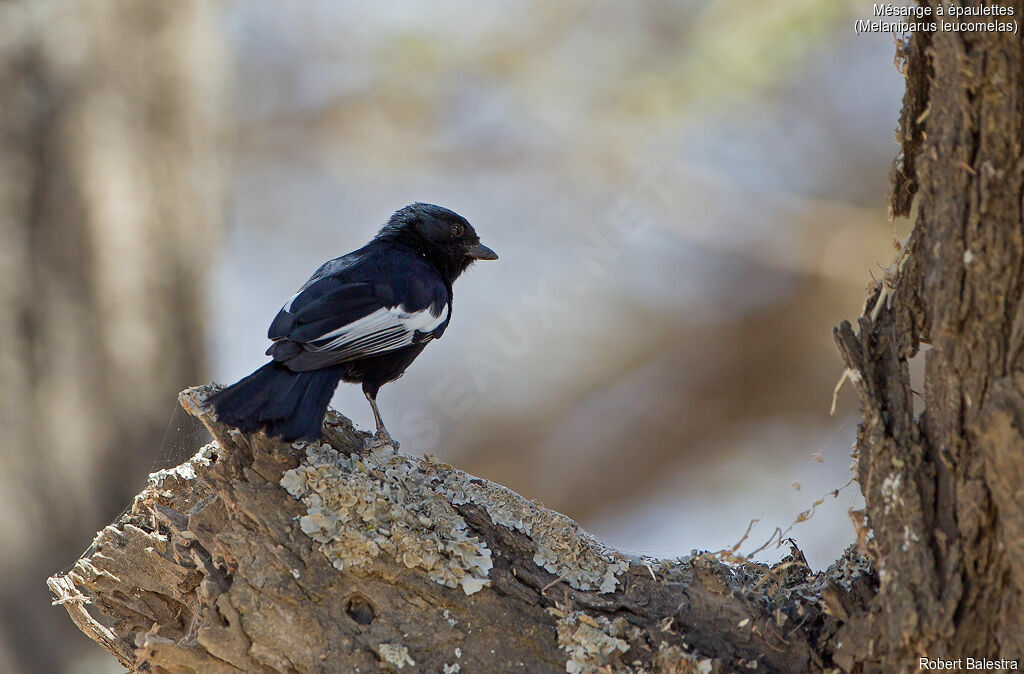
{"x": 380, "y": 439}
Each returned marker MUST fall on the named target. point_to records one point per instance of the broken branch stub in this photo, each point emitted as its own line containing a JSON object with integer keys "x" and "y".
{"x": 258, "y": 555}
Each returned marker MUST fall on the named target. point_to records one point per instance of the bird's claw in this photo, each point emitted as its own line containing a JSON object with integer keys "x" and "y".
{"x": 380, "y": 439}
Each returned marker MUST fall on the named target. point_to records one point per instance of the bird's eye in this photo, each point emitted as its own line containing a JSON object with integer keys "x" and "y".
{"x": 457, "y": 230}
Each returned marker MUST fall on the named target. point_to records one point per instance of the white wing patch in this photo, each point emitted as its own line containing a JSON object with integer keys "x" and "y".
{"x": 386, "y": 329}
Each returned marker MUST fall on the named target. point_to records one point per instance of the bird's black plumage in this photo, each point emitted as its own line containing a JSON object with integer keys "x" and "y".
{"x": 361, "y": 318}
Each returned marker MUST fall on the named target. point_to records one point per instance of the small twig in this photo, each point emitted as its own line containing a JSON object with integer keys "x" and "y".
{"x": 746, "y": 535}
{"x": 848, "y": 374}
{"x": 76, "y": 598}
{"x": 651, "y": 570}
{"x": 556, "y": 581}
{"x": 883, "y": 299}
{"x": 773, "y": 571}
{"x": 778, "y": 532}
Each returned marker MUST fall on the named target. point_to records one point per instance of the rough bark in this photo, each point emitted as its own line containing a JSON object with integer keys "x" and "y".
{"x": 262, "y": 556}
{"x": 943, "y": 489}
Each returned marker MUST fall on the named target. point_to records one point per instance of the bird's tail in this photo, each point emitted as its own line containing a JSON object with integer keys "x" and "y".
{"x": 286, "y": 404}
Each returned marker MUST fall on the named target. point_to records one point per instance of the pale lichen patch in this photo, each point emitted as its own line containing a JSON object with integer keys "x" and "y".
{"x": 671, "y": 658}
{"x": 357, "y": 511}
{"x": 396, "y": 655}
{"x": 592, "y": 642}
{"x": 382, "y": 501}
{"x": 361, "y": 505}
{"x": 891, "y": 497}
{"x": 562, "y": 547}
{"x": 185, "y": 471}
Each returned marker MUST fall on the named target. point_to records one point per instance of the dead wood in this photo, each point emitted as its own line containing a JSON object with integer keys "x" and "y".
{"x": 257, "y": 555}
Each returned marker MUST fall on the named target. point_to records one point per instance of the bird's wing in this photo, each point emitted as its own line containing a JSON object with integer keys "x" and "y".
{"x": 331, "y": 320}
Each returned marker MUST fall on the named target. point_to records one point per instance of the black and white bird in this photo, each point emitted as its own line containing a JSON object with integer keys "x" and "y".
{"x": 361, "y": 318}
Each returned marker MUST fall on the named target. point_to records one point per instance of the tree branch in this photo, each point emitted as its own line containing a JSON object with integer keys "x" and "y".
{"x": 257, "y": 555}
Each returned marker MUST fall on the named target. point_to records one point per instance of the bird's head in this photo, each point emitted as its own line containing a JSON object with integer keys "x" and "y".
{"x": 442, "y": 236}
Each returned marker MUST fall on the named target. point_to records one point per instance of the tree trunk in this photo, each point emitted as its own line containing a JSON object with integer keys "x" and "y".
{"x": 260, "y": 556}
{"x": 944, "y": 490}
{"x": 108, "y": 211}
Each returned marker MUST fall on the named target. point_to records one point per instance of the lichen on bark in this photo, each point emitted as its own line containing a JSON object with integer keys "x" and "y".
{"x": 257, "y": 555}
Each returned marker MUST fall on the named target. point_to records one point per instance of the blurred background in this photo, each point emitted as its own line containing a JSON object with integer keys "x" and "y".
{"x": 686, "y": 196}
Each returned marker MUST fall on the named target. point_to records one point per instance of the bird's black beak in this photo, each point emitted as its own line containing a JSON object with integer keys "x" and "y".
{"x": 481, "y": 252}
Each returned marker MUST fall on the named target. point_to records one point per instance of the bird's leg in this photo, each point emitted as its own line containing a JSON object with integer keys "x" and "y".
{"x": 376, "y": 415}
{"x": 381, "y": 437}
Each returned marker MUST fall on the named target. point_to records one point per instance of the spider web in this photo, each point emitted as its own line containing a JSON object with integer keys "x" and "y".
{"x": 184, "y": 436}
